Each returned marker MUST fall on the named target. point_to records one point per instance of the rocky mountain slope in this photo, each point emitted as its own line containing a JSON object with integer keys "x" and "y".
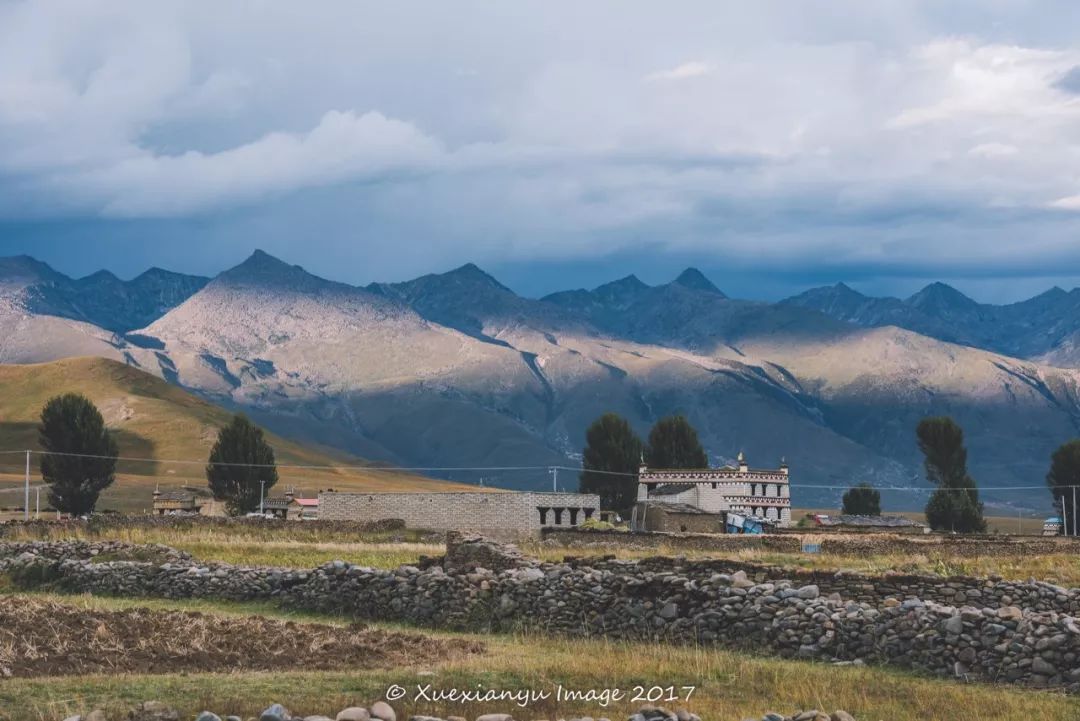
{"x": 455, "y": 369}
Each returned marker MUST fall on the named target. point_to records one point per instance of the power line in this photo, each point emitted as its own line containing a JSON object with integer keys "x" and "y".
{"x": 388, "y": 469}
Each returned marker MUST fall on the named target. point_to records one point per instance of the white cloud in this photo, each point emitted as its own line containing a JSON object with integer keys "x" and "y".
{"x": 1071, "y": 202}
{"x": 343, "y": 147}
{"x": 693, "y": 69}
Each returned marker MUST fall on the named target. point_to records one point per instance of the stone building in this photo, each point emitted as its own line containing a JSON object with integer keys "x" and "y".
{"x": 303, "y": 509}
{"x": 678, "y": 518}
{"x": 505, "y": 514}
{"x": 764, "y": 493}
{"x": 172, "y": 502}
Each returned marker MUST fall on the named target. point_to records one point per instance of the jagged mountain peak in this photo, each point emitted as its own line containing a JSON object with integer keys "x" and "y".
{"x": 471, "y": 273}
{"x": 261, "y": 268}
{"x": 101, "y": 276}
{"x": 27, "y": 269}
{"x": 629, "y": 282}
{"x": 696, "y": 280}
{"x": 846, "y": 289}
{"x": 938, "y": 296}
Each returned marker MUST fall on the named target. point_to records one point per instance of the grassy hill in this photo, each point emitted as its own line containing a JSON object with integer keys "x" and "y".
{"x": 155, "y": 420}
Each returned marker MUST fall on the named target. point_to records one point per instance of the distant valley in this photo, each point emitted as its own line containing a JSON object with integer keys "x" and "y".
{"x": 455, "y": 369}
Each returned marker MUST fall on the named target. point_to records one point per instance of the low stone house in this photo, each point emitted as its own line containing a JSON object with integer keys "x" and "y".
{"x": 677, "y": 518}
{"x": 855, "y": 523}
{"x": 303, "y": 509}
{"x": 173, "y": 502}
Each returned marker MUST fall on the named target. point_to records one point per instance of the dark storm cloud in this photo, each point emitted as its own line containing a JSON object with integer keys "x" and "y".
{"x": 891, "y": 140}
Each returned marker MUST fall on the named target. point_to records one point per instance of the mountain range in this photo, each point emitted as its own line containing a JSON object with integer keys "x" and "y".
{"x": 455, "y": 369}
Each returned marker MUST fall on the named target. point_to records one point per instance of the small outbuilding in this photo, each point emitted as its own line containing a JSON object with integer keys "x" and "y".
{"x": 853, "y": 523}
{"x": 677, "y": 518}
{"x": 303, "y": 509}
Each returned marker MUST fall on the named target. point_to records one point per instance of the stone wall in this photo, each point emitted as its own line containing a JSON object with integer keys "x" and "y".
{"x": 789, "y": 541}
{"x": 659, "y": 600}
{"x": 491, "y": 513}
{"x": 589, "y": 538}
{"x": 107, "y": 523}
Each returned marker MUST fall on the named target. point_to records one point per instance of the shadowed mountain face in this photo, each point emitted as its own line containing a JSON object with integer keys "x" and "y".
{"x": 1045, "y": 328}
{"x": 455, "y": 369}
{"x": 101, "y": 299}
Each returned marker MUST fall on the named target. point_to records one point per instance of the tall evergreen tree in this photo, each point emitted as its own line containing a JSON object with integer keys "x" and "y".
{"x": 611, "y": 448}
{"x": 862, "y": 500}
{"x": 84, "y": 463}
{"x": 1065, "y": 473}
{"x": 673, "y": 443}
{"x": 955, "y": 505}
{"x": 241, "y": 466}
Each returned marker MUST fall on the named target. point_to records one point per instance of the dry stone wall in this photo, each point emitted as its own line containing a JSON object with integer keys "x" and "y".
{"x": 792, "y": 540}
{"x": 681, "y": 602}
{"x": 104, "y": 524}
{"x": 990, "y": 592}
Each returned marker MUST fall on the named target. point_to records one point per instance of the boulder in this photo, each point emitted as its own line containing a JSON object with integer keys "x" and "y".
{"x": 275, "y": 712}
{"x": 382, "y": 710}
{"x": 353, "y": 713}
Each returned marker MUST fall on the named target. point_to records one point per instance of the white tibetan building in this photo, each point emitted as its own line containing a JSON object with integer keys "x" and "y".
{"x": 764, "y": 493}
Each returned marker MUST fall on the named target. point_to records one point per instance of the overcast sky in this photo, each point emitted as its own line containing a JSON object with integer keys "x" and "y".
{"x": 775, "y": 145}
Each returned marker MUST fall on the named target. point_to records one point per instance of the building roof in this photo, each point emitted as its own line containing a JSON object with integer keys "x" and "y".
{"x": 306, "y": 501}
{"x": 868, "y": 521}
{"x": 681, "y": 508}
{"x": 174, "y": 496}
{"x": 275, "y": 502}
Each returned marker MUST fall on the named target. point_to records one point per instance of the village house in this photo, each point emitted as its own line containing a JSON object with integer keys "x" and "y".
{"x": 303, "y": 509}
{"x": 858, "y": 523}
{"x": 175, "y": 502}
{"x": 678, "y": 518}
{"x": 756, "y": 492}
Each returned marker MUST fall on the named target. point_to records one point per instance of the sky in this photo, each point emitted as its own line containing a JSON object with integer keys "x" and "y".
{"x": 774, "y": 145}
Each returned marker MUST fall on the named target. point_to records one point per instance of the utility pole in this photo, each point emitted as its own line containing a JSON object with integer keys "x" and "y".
{"x": 37, "y": 503}
{"x": 554, "y": 479}
{"x": 1064, "y": 518}
{"x": 26, "y": 500}
{"x": 1074, "y": 510}
{"x": 262, "y": 493}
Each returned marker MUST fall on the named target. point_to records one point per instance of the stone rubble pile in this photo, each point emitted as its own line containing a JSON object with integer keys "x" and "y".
{"x": 681, "y": 602}
{"x": 382, "y": 711}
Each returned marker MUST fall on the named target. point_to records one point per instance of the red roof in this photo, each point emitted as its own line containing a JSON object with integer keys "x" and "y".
{"x": 307, "y": 501}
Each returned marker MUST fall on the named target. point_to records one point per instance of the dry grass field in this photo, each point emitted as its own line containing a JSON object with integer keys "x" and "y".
{"x": 727, "y": 685}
